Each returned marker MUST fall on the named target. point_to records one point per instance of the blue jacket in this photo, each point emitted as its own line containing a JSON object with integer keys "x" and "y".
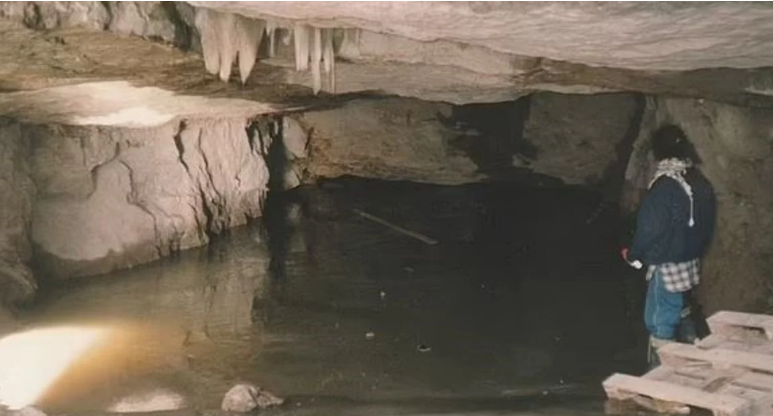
{"x": 662, "y": 231}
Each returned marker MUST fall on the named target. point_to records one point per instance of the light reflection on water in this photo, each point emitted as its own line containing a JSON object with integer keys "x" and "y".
{"x": 193, "y": 326}
{"x": 31, "y": 361}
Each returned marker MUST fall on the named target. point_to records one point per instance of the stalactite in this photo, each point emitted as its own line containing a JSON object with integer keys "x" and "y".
{"x": 225, "y": 27}
{"x": 301, "y": 37}
{"x": 249, "y": 34}
{"x": 271, "y": 33}
{"x": 350, "y": 44}
{"x": 328, "y": 55}
{"x": 226, "y": 37}
{"x": 210, "y": 39}
{"x": 287, "y": 38}
{"x": 316, "y": 61}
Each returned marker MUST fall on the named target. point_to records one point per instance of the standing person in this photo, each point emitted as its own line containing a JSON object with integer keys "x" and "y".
{"x": 674, "y": 227}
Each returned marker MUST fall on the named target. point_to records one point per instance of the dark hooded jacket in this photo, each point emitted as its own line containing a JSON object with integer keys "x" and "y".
{"x": 663, "y": 233}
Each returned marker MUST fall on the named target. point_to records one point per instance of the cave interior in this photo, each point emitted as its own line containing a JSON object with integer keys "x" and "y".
{"x": 363, "y": 208}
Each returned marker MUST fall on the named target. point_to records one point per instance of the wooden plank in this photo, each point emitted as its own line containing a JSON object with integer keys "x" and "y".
{"x": 660, "y": 372}
{"x": 660, "y": 406}
{"x": 619, "y": 407}
{"x": 763, "y": 407}
{"x": 399, "y": 229}
{"x": 622, "y": 401}
{"x": 713, "y": 341}
{"x": 683, "y": 380}
{"x": 752, "y": 320}
{"x": 765, "y": 349}
{"x": 706, "y": 371}
{"x": 737, "y": 343}
{"x": 729, "y": 322}
{"x": 674, "y": 353}
{"x": 753, "y": 380}
{"x": 719, "y": 404}
{"x": 706, "y": 378}
{"x": 750, "y": 395}
{"x": 632, "y": 406}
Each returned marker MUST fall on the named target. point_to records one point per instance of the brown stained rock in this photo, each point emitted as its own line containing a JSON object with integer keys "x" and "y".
{"x": 576, "y": 136}
{"x": 397, "y": 139}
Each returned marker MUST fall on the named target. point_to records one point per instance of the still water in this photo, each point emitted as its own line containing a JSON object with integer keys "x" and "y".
{"x": 521, "y": 308}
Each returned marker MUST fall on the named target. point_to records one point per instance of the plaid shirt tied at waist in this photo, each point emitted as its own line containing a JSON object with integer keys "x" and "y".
{"x": 677, "y": 277}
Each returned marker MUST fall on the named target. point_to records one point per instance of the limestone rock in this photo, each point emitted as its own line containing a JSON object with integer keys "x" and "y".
{"x": 16, "y": 205}
{"x": 575, "y": 136}
{"x": 394, "y": 56}
{"x": 735, "y": 147}
{"x": 245, "y": 398}
{"x": 661, "y": 36}
{"x": 295, "y": 139}
{"x": 396, "y": 139}
{"x": 152, "y": 19}
{"x": 57, "y": 14}
{"x": 296, "y": 151}
{"x": 128, "y": 196}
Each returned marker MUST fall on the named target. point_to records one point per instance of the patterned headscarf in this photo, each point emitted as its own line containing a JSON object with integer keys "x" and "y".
{"x": 675, "y": 169}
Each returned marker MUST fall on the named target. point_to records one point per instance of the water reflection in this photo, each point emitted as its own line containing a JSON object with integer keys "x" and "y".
{"x": 31, "y": 361}
{"x": 202, "y": 293}
{"x": 299, "y": 326}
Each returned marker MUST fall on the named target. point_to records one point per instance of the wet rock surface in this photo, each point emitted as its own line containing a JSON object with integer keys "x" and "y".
{"x": 244, "y": 398}
{"x": 113, "y": 198}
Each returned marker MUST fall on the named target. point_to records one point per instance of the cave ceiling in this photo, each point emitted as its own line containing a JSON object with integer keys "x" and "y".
{"x": 126, "y": 63}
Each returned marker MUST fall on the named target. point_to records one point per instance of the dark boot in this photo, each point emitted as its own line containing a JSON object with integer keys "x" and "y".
{"x": 652, "y": 352}
{"x": 686, "y": 333}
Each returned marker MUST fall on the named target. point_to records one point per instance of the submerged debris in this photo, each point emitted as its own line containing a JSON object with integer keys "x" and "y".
{"x": 421, "y": 237}
{"x": 244, "y": 398}
{"x": 423, "y": 348}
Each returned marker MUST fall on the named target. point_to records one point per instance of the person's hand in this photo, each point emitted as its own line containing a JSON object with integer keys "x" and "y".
{"x": 624, "y": 253}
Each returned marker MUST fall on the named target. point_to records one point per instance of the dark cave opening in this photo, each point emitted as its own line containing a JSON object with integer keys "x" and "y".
{"x": 532, "y": 263}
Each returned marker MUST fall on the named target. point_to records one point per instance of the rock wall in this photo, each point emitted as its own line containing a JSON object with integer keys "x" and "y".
{"x": 575, "y": 138}
{"x": 394, "y": 139}
{"x": 116, "y": 197}
{"x": 16, "y": 203}
{"x": 170, "y": 22}
{"x": 735, "y": 145}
